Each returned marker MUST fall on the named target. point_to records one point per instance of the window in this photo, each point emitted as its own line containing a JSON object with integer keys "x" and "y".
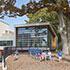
{"x": 6, "y": 43}
{"x": 32, "y": 37}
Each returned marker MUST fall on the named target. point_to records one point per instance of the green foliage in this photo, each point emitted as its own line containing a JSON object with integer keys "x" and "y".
{"x": 43, "y": 15}
{"x": 33, "y": 7}
{"x": 63, "y": 3}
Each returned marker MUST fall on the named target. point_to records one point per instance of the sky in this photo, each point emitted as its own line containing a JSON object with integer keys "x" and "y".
{"x": 19, "y": 20}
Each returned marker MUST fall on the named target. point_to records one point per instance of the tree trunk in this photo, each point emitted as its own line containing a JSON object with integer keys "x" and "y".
{"x": 64, "y": 43}
{"x": 62, "y": 33}
{"x": 68, "y": 34}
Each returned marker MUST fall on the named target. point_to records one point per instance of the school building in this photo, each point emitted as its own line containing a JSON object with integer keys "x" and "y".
{"x": 40, "y": 35}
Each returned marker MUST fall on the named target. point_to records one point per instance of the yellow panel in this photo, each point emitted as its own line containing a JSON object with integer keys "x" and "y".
{"x": 54, "y": 42}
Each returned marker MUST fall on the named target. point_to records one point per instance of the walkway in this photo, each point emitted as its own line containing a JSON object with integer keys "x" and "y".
{"x": 0, "y": 67}
{"x": 26, "y": 62}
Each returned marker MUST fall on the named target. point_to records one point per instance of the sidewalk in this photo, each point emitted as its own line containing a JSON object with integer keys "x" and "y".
{"x": 0, "y": 66}
{"x": 66, "y": 57}
{"x": 25, "y": 62}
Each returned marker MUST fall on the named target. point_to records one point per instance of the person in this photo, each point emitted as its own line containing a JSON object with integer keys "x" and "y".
{"x": 49, "y": 55}
{"x": 59, "y": 55}
{"x": 16, "y": 55}
{"x": 43, "y": 56}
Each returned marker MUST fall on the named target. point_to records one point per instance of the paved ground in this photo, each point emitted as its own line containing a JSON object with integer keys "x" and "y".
{"x": 26, "y": 62}
{"x": 0, "y": 67}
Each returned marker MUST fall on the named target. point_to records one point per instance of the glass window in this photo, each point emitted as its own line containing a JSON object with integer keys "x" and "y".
{"x": 32, "y": 37}
{"x": 6, "y": 43}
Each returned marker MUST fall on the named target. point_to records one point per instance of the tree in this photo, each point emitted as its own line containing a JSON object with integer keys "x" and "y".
{"x": 62, "y": 27}
{"x": 7, "y": 7}
{"x": 61, "y": 7}
{"x": 43, "y": 15}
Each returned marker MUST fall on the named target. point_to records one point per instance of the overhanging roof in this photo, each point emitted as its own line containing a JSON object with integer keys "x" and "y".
{"x": 49, "y": 27}
{"x": 33, "y": 25}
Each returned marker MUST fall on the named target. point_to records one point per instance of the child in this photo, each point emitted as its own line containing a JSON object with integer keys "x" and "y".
{"x": 43, "y": 56}
{"x": 16, "y": 55}
{"x": 49, "y": 55}
{"x": 59, "y": 55}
